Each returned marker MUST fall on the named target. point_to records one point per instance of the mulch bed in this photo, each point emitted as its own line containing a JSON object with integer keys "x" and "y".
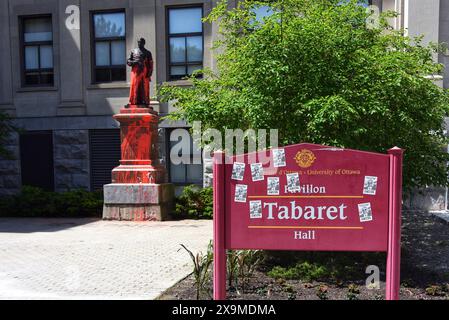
{"x": 424, "y": 272}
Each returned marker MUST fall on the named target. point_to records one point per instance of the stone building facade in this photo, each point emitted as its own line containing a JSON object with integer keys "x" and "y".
{"x": 62, "y": 81}
{"x": 63, "y": 94}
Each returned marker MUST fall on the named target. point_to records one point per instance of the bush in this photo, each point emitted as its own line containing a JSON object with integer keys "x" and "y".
{"x": 195, "y": 203}
{"x": 35, "y": 202}
{"x": 301, "y": 271}
{"x": 324, "y": 266}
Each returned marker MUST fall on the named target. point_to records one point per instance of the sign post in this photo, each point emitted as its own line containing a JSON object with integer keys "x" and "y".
{"x": 219, "y": 227}
{"x": 394, "y": 225}
{"x": 311, "y": 198}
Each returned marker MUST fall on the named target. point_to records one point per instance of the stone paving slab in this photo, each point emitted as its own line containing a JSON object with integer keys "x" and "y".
{"x": 95, "y": 259}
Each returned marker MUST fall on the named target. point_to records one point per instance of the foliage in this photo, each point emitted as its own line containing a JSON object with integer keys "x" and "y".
{"x": 201, "y": 269}
{"x": 321, "y": 292}
{"x": 353, "y": 291}
{"x": 303, "y": 271}
{"x": 334, "y": 267}
{"x": 195, "y": 203}
{"x": 232, "y": 267}
{"x": 241, "y": 265}
{"x": 35, "y": 202}
{"x": 436, "y": 290}
{"x": 315, "y": 71}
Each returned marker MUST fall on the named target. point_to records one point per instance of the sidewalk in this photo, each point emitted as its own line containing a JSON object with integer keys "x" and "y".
{"x": 94, "y": 259}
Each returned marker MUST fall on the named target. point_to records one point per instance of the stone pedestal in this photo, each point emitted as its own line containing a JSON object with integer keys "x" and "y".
{"x": 139, "y": 189}
{"x": 138, "y": 202}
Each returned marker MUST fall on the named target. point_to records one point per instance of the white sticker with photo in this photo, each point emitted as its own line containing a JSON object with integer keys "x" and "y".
{"x": 293, "y": 182}
{"x": 238, "y": 171}
{"x": 257, "y": 171}
{"x": 370, "y": 185}
{"x": 278, "y": 158}
{"x": 365, "y": 212}
{"x": 241, "y": 190}
{"x": 255, "y": 209}
{"x": 273, "y": 186}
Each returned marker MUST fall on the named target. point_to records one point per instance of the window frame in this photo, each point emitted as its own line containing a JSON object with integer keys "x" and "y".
{"x": 38, "y": 44}
{"x": 168, "y": 36}
{"x": 191, "y": 156}
{"x": 109, "y": 40}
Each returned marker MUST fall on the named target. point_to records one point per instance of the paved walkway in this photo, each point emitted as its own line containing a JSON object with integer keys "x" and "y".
{"x": 94, "y": 259}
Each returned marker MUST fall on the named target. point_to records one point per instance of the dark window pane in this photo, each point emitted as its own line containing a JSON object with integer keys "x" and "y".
{"x": 195, "y": 173}
{"x": 185, "y": 20}
{"x": 32, "y": 78}
{"x": 104, "y": 155}
{"x": 119, "y": 74}
{"x": 194, "y": 49}
{"x": 178, "y": 173}
{"x": 36, "y": 159}
{"x": 178, "y": 71}
{"x": 37, "y": 29}
{"x": 109, "y": 25}
{"x": 46, "y": 78}
{"x": 177, "y": 50}
{"x": 102, "y": 75}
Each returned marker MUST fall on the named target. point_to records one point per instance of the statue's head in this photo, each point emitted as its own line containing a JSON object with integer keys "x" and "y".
{"x": 141, "y": 43}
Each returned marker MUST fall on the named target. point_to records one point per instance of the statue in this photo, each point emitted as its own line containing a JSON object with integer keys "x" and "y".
{"x": 141, "y": 62}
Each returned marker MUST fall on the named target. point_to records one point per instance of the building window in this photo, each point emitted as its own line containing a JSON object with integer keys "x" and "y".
{"x": 105, "y": 152}
{"x": 37, "y": 51}
{"x": 185, "y": 41}
{"x": 185, "y": 165}
{"x": 36, "y": 159}
{"x": 109, "y": 46}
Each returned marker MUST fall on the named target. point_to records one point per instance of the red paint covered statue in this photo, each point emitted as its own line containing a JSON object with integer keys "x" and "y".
{"x": 139, "y": 126}
{"x": 141, "y": 62}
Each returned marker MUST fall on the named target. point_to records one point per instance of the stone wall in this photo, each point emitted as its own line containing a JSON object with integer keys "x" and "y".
{"x": 10, "y": 178}
{"x": 71, "y": 159}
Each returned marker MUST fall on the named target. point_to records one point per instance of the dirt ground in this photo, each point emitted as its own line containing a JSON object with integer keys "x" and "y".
{"x": 424, "y": 272}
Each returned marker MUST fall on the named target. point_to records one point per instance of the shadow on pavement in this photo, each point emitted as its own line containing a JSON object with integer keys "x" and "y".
{"x": 30, "y": 225}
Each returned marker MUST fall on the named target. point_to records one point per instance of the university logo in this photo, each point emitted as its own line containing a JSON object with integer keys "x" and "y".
{"x": 305, "y": 158}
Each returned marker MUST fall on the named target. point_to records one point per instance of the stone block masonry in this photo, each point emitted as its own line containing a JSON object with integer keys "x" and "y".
{"x": 10, "y": 178}
{"x": 71, "y": 159}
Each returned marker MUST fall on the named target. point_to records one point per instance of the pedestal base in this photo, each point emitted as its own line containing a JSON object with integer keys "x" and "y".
{"x": 138, "y": 202}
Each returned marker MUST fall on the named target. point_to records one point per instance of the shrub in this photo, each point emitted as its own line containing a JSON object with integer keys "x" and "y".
{"x": 35, "y": 202}
{"x": 301, "y": 271}
{"x": 195, "y": 203}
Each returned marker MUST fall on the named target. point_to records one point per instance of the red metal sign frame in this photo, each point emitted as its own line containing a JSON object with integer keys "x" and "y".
{"x": 337, "y": 199}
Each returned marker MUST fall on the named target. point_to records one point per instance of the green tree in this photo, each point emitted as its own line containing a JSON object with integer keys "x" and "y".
{"x": 315, "y": 70}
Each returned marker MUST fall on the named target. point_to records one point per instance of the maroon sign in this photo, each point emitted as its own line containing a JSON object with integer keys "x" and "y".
{"x": 308, "y": 197}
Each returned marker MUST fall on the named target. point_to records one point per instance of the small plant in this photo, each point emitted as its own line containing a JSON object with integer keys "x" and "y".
{"x": 353, "y": 288}
{"x": 291, "y": 296}
{"x": 321, "y": 292}
{"x": 247, "y": 261}
{"x": 201, "y": 269}
{"x": 232, "y": 267}
{"x": 195, "y": 203}
{"x": 435, "y": 290}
